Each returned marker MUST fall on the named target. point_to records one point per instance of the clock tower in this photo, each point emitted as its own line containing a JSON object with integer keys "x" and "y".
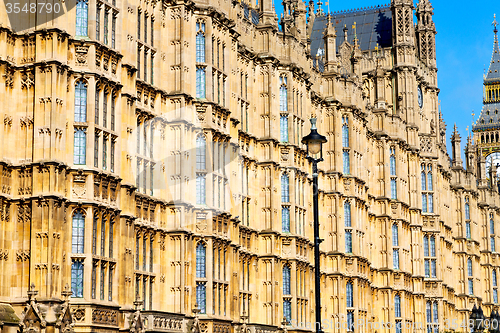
{"x": 487, "y": 128}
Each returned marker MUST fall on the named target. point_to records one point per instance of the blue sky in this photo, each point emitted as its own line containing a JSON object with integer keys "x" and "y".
{"x": 464, "y": 45}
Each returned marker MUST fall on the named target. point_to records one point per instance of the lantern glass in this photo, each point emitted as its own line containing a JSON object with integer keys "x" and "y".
{"x": 314, "y": 147}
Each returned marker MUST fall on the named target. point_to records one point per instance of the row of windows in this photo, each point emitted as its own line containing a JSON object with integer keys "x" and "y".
{"x": 143, "y": 52}
{"x": 107, "y": 11}
{"x": 100, "y": 221}
{"x": 80, "y": 134}
{"x": 145, "y": 33}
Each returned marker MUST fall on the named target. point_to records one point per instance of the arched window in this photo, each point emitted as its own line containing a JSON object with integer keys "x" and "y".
{"x": 77, "y": 278}
{"x": 395, "y": 236}
{"x": 467, "y": 209}
{"x": 82, "y": 13}
{"x": 435, "y": 316}
{"x": 429, "y": 178}
{"x": 80, "y": 102}
{"x": 393, "y": 161}
{"x": 286, "y": 280}
{"x": 346, "y": 163}
{"x": 283, "y": 93}
{"x": 347, "y": 214}
{"x": 201, "y": 260}
{"x": 349, "y": 295}
{"x": 285, "y": 188}
{"x": 78, "y": 232}
{"x": 201, "y": 152}
{"x": 423, "y": 178}
{"x": 345, "y": 132}
{"x": 79, "y": 146}
{"x": 397, "y": 306}
{"x": 433, "y": 246}
{"x": 469, "y": 267}
{"x": 200, "y": 41}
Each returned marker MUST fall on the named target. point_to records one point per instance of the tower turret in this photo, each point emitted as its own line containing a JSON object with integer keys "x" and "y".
{"x": 330, "y": 46}
{"x": 426, "y": 32}
{"x": 455, "y": 146}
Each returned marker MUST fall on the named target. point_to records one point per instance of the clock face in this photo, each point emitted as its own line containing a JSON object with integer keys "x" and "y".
{"x": 492, "y": 159}
{"x": 420, "y": 97}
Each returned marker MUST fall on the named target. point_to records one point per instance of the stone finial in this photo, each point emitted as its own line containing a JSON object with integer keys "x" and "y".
{"x": 32, "y": 292}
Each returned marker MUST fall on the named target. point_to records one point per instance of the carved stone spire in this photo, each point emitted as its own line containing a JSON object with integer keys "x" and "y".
{"x": 330, "y": 37}
{"x": 455, "y": 144}
{"x": 426, "y": 31}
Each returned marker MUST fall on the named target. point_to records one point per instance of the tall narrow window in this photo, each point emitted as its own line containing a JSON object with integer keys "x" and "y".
{"x": 285, "y": 219}
{"x": 80, "y": 146}
{"x": 397, "y": 306}
{"x": 348, "y": 241}
{"x": 200, "y": 260}
{"x": 77, "y": 278}
{"x": 112, "y": 159}
{"x": 349, "y": 295}
{"x": 138, "y": 61}
{"x": 200, "y": 189}
{"x": 113, "y": 102}
{"x": 98, "y": 22}
{"x": 467, "y": 209}
{"x": 96, "y": 149}
{"x": 200, "y": 41}
{"x": 430, "y": 257}
{"x": 287, "y": 305}
{"x": 139, "y": 24}
{"x": 427, "y": 188}
{"x": 101, "y": 283}
{"x": 113, "y": 32}
{"x": 394, "y": 190}
{"x": 111, "y": 231}
{"x": 94, "y": 233}
{"x": 152, "y": 28}
{"x": 145, "y": 28}
{"x": 346, "y": 163}
{"x": 93, "y": 281}
{"x": 345, "y": 132}
{"x": 97, "y": 93}
{"x": 103, "y": 234}
{"x": 283, "y": 93}
{"x": 82, "y": 13}
{"x": 80, "y": 102}
{"x": 284, "y": 128}
{"x": 110, "y": 284}
{"x": 470, "y": 278}
{"x": 200, "y": 82}
{"x": 395, "y": 246}
{"x": 347, "y": 214}
{"x": 468, "y": 233}
{"x": 495, "y": 286}
{"x": 201, "y": 297}
{"x": 151, "y": 253}
{"x": 492, "y": 234}
{"x": 152, "y": 58}
{"x": 106, "y": 22}
{"x": 285, "y": 188}
{"x": 105, "y": 109}
{"x": 104, "y": 153}
{"x": 201, "y": 152}
{"x": 348, "y": 225}
{"x": 78, "y": 232}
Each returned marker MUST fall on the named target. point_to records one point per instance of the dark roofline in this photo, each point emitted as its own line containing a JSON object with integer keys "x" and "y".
{"x": 360, "y": 10}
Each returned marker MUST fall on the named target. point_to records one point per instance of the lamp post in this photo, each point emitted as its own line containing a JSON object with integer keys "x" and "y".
{"x": 314, "y": 142}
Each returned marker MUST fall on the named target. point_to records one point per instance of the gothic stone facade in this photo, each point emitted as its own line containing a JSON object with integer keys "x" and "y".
{"x": 151, "y": 160}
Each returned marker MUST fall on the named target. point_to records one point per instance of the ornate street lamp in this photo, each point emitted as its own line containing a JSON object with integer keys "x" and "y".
{"x": 314, "y": 142}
